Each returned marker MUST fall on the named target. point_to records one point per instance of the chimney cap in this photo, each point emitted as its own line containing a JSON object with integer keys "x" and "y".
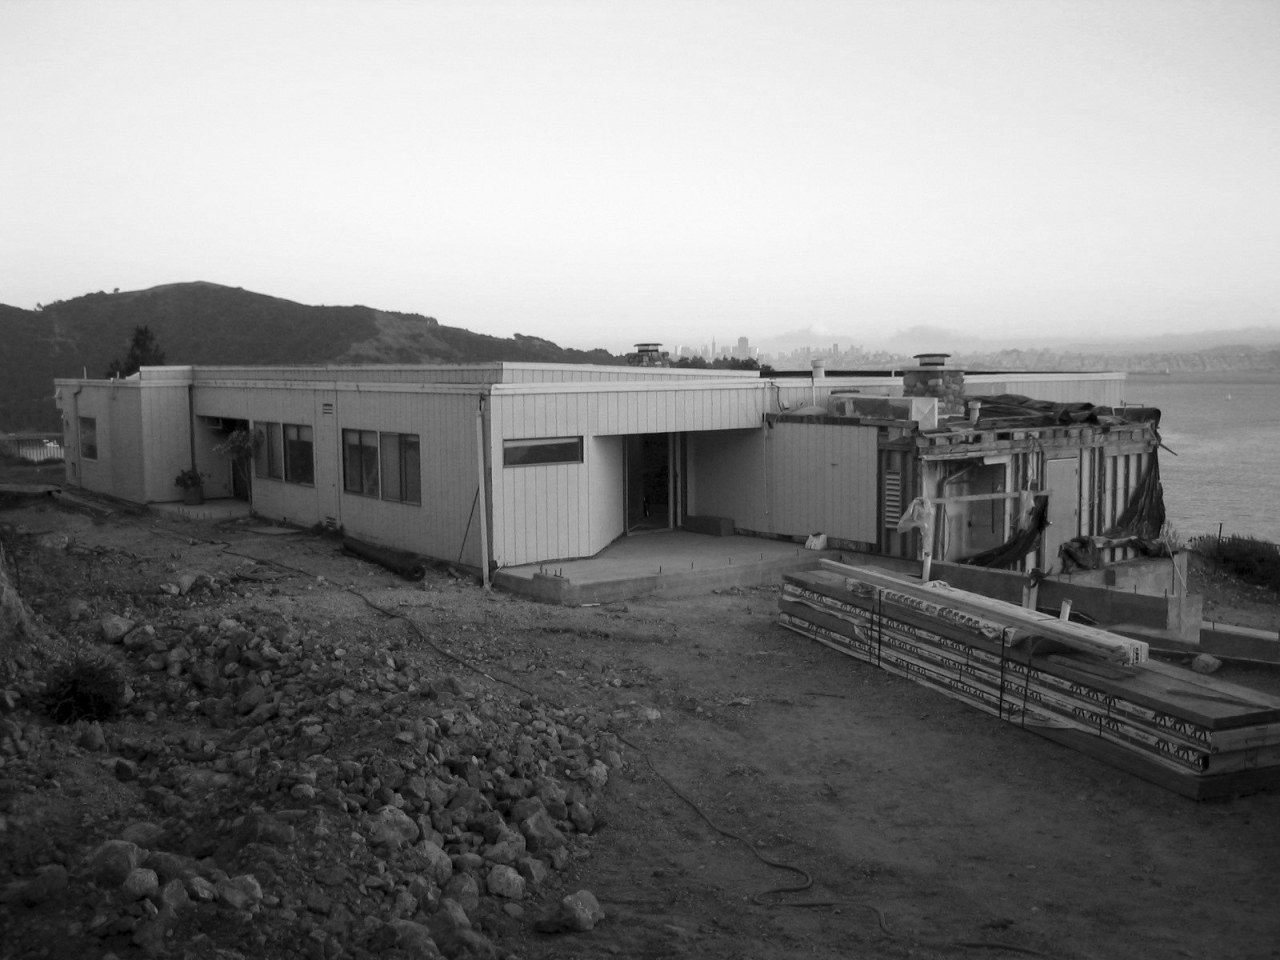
{"x": 932, "y": 359}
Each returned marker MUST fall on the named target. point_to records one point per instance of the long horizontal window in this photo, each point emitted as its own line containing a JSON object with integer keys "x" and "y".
{"x": 383, "y": 465}
{"x": 544, "y": 450}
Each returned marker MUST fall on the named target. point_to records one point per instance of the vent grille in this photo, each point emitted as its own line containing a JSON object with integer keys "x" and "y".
{"x": 892, "y": 497}
{"x": 326, "y": 409}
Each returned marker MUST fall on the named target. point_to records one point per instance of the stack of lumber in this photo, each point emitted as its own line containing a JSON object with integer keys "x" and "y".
{"x": 1089, "y": 689}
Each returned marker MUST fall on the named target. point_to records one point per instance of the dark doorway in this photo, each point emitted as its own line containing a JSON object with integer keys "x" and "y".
{"x": 236, "y": 441}
{"x": 648, "y": 479}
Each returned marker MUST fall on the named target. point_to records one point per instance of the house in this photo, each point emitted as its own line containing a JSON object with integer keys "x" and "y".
{"x": 504, "y": 464}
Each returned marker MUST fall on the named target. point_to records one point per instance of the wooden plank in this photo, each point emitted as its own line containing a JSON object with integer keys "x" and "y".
{"x": 1140, "y": 691}
{"x": 1237, "y": 772}
{"x": 1188, "y": 732}
{"x": 1076, "y": 636}
{"x": 1010, "y": 689}
{"x": 1182, "y": 693}
{"x": 1193, "y": 786}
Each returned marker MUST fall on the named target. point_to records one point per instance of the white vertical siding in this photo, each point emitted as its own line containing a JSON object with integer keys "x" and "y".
{"x": 566, "y": 510}
{"x": 166, "y": 425}
{"x": 123, "y": 448}
{"x": 791, "y": 479}
{"x": 290, "y": 502}
{"x": 727, "y": 478}
{"x": 117, "y": 411}
{"x": 607, "y": 503}
{"x": 442, "y": 526}
{"x": 822, "y": 479}
{"x": 616, "y": 410}
{"x": 542, "y": 512}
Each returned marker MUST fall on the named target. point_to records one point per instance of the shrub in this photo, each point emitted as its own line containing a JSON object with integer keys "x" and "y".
{"x": 1252, "y": 560}
{"x": 189, "y": 479}
{"x": 86, "y": 688}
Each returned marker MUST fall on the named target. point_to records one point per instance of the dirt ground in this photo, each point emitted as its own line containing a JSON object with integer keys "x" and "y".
{"x": 909, "y": 825}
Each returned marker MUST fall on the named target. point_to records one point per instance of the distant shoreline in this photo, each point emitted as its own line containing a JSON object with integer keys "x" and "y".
{"x": 1207, "y": 376}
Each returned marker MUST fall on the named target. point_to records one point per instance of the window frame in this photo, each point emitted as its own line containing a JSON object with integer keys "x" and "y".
{"x": 388, "y": 466}
{"x": 405, "y": 476}
{"x": 540, "y": 451}
{"x": 273, "y": 459}
{"x": 268, "y": 458}
{"x": 307, "y": 477}
{"x": 87, "y": 437}
{"x": 357, "y": 483}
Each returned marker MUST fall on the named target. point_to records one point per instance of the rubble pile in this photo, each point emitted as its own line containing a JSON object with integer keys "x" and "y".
{"x": 274, "y": 791}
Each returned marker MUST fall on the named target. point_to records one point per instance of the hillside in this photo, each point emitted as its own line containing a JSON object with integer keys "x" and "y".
{"x": 206, "y": 323}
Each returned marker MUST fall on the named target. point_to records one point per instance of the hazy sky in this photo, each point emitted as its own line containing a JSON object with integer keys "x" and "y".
{"x": 600, "y": 173}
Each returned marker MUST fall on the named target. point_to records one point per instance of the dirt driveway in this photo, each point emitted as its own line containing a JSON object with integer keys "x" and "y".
{"x": 914, "y": 826}
{"x": 910, "y": 812}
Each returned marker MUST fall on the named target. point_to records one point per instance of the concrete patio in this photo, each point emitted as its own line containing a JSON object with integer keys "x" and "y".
{"x": 670, "y": 563}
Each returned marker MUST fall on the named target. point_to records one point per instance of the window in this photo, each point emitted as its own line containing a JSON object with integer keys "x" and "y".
{"x": 89, "y": 438}
{"x": 383, "y": 465}
{"x": 268, "y": 458}
{"x": 299, "y": 467}
{"x": 284, "y": 453}
{"x": 401, "y": 467}
{"x": 360, "y": 462}
{"x": 527, "y": 453}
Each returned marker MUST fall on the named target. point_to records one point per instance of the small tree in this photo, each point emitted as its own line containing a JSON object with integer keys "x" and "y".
{"x": 143, "y": 352}
{"x": 239, "y": 446}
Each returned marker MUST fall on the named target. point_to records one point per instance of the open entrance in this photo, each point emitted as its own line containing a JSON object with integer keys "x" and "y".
{"x": 650, "y": 482}
{"x": 975, "y": 508}
{"x": 235, "y": 442}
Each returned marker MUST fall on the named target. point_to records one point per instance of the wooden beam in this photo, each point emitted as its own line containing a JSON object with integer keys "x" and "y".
{"x": 1076, "y": 636}
{"x": 974, "y": 497}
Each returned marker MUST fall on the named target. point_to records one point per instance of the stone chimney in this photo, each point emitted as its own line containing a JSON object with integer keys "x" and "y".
{"x": 931, "y": 377}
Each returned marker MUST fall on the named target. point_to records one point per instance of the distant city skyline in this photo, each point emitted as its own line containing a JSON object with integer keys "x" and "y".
{"x": 602, "y": 173}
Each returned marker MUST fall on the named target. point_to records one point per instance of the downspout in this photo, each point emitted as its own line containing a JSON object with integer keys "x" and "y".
{"x": 765, "y": 427}
{"x": 484, "y": 499}
{"x": 75, "y": 420}
{"x": 191, "y": 423}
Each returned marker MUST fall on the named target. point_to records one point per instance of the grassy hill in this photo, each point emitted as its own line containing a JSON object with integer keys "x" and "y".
{"x": 206, "y": 323}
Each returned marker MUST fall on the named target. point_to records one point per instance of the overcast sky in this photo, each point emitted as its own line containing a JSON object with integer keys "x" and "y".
{"x": 601, "y": 173}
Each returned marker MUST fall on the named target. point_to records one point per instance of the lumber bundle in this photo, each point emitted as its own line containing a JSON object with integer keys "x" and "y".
{"x": 1091, "y": 690}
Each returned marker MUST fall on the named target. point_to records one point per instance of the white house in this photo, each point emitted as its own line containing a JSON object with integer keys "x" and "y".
{"x": 504, "y": 464}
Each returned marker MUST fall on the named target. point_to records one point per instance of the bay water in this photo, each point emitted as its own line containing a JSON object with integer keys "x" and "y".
{"x": 1225, "y": 430}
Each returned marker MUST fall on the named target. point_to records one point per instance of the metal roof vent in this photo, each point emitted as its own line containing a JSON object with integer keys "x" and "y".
{"x": 932, "y": 359}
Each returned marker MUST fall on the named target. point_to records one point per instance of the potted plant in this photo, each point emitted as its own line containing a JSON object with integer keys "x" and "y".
{"x": 191, "y": 483}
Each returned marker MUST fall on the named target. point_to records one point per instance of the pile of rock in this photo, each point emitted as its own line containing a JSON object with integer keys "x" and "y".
{"x": 361, "y": 802}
